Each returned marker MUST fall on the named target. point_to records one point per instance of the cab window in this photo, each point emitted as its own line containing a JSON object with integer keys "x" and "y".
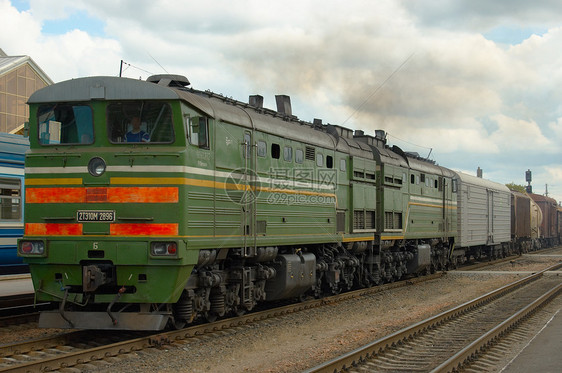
{"x": 62, "y": 123}
{"x": 140, "y": 122}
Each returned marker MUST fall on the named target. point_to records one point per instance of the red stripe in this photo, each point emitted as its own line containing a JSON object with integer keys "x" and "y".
{"x": 55, "y": 195}
{"x": 53, "y": 229}
{"x": 103, "y": 194}
{"x": 140, "y": 229}
{"x": 144, "y": 229}
{"x": 143, "y": 195}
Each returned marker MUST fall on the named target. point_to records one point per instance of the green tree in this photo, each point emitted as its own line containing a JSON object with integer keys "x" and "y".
{"x": 516, "y": 187}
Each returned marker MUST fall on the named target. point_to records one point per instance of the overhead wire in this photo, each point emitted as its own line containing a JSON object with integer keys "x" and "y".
{"x": 379, "y": 87}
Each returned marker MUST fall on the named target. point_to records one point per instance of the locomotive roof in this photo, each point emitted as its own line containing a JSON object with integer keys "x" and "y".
{"x": 245, "y": 115}
{"x": 388, "y": 156}
{"x": 428, "y": 167}
{"x": 102, "y": 87}
{"x": 114, "y": 88}
{"x": 215, "y": 106}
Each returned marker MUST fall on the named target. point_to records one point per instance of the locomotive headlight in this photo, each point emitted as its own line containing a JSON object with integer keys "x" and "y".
{"x": 31, "y": 247}
{"x": 163, "y": 248}
{"x": 96, "y": 166}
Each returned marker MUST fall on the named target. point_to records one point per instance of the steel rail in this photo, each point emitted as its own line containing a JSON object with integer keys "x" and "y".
{"x": 72, "y": 358}
{"x": 363, "y": 353}
{"x": 8, "y": 350}
{"x": 455, "y": 362}
{"x": 19, "y": 319}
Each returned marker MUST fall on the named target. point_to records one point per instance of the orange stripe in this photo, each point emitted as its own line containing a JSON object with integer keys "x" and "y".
{"x": 143, "y": 194}
{"x": 102, "y": 194}
{"x": 53, "y": 229}
{"x": 55, "y": 195}
{"x": 56, "y": 229}
{"x": 144, "y": 229}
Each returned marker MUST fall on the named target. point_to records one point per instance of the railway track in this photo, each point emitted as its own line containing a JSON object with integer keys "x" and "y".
{"x": 450, "y": 340}
{"x": 86, "y": 347}
{"x": 78, "y": 349}
{"x": 22, "y": 313}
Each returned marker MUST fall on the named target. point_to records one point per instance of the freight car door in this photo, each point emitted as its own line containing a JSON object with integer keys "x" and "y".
{"x": 490, "y": 217}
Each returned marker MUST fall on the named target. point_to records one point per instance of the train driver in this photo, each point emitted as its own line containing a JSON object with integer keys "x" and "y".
{"x": 136, "y": 134}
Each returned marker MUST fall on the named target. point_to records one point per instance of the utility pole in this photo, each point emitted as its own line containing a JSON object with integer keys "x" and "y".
{"x": 121, "y": 68}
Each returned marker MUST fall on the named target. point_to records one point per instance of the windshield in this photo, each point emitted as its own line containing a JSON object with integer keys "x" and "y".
{"x": 140, "y": 122}
{"x": 65, "y": 124}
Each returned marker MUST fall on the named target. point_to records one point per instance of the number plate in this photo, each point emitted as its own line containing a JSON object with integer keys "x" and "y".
{"x": 95, "y": 215}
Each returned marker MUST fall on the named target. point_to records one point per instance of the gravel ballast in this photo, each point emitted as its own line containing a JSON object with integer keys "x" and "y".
{"x": 302, "y": 340}
{"x": 298, "y": 341}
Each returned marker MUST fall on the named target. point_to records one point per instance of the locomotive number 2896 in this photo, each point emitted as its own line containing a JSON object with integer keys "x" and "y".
{"x": 90, "y": 215}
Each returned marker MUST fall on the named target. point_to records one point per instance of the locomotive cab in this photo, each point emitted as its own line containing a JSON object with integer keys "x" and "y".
{"x": 101, "y": 228}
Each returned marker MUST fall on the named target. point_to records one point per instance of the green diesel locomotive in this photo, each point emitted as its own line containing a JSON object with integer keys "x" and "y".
{"x": 150, "y": 204}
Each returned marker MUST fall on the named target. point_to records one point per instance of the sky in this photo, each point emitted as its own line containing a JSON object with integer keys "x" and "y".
{"x": 467, "y": 83}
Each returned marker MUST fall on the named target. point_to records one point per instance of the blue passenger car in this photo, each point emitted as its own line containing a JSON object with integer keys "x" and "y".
{"x": 12, "y": 154}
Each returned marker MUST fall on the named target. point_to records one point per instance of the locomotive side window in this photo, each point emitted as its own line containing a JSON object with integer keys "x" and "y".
{"x": 199, "y": 132}
{"x": 299, "y": 156}
{"x": 10, "y": 199}
{"x": 288, "y": 153}
{"x": 262, "y": 148}
{"x": 144, "y": 122}
{"x": 65, "y": 124}
{"x": 329, "y": 161}
{"x": 343, "y": 165}
{"x": 275, "y": 151}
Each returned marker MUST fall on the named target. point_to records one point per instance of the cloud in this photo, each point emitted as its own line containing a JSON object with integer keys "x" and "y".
{"x": 424, "y": 72}
{"x": 481, "y": 15}
{"x": 12, "y": 21}
{"x": 72, "y": 54}
{"x": 517, "y": 134}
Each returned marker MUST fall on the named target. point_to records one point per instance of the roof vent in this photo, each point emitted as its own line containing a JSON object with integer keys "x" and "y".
{"x": 380, "y": 134}
{"x": 169, "y": 80}
{"x": 256, "y": 101}
{"x": 317, "y": 123}
{"x": 283, "y": 104}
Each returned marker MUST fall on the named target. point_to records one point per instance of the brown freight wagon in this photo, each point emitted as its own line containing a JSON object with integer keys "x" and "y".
{"x": 521, "y": 221}
{"x": 559, "y": 224}
{"x": 549, "y": 228}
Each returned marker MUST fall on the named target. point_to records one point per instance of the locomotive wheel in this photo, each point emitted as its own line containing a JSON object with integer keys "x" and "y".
{"x": 239, "y": 311}
{"x": 210, "y": 316}
{"x": 179, "y": 324}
